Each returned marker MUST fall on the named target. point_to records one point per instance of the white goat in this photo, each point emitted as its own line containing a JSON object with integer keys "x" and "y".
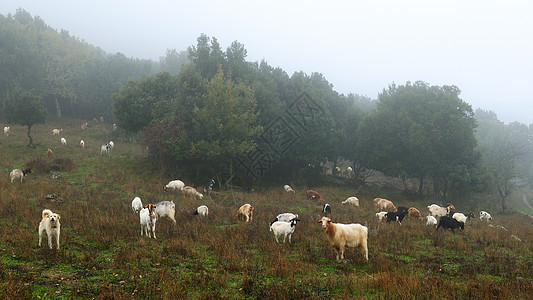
{"x": 432, "y": 221}
{"x": 285, "y": 217}
{"x": 341, "y": 236}
{"x": 82, "y": 144}
{"x": 202, "y": 211}
{"x": 104, "y": 149}
{"x": 381, "y": 215}
{"x": 483, "y": 215}
{"x": 283, "y": 228}
{"x": 148, "y": 219}
{"x": 17, "y": 173}
{"x": 111, "y": 145}
{"x": 7, "y": 130}
{"x": 351, "y": 200}
{"x": 190, "y": 191}
{"x": 175, "y": 185}
{"x": 57, "y": 131}
{"x": 438, "y": 211}
{"x": 136, "y": 204}
{"x": 166, "y": 208}
{"x": 288, "y": 188}
{"x": 63, "y": 141}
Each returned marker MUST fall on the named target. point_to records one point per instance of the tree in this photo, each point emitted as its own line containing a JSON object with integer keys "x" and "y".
{"x": 24, "y": 108}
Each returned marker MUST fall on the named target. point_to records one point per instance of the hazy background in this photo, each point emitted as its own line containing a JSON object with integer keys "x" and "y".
{"x": 483, "y": 47}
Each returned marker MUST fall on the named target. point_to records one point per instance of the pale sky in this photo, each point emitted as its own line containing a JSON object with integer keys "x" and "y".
{"x": 483, "y": 47}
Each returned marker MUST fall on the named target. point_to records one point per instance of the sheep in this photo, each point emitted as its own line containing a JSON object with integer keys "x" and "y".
{"x": 438, "y": 211}
{"x": 451, "y": 223}
{"x": 82, "y": 144}
{"x": 57, "y": 131}
{"x": 396, "y": 216}
{"x": 84, "y": 126}
{"x": 385, "y": 205}
{"x": 462, "y": 217}
{"x": 414, "y": 213}
{"x": 105, "y": 149}
{"x": 246, "y": 211}
{"x": 136, "y": 205}
{"x": 147, "y": 220}
{"x": 174, "y": 185}
{"x": 202, "y": 211}
{"x": 288, "y": 188}
{"x": 19, "y": 174}
{"x": 431, "y": 221}
{"x": 190, "y": 191}
{"x": 283, "y": 228}
{"x": 63, "y": 141}
{"x": 49, "y": 152}
{"x": 341, "y": 236}
{"x": 111, "y": 145}
{"x": 381, "y": 215}
{"x": 351, "y": 200}
{"x": 7, "y": 130}
{"x": 483, "y": 215}
{"x": 166, "y": 208}
{"x": 313, "y": 195}
{"x": 326, "y": 210}
{"x": 285, "y": 217}
{"x": 208, "y": 187}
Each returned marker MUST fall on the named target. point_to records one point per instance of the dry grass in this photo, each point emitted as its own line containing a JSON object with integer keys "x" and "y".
{"x": 102, "y": 254}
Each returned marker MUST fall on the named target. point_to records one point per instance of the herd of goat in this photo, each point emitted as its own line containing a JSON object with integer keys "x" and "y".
{"x": 339, "y": 235}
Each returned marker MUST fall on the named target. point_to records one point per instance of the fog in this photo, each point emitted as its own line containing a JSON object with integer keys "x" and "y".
{"x": 483, "y": 47}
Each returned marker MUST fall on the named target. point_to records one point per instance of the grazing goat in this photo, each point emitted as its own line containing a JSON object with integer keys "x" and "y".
{"x": 283, "y": 228}
{"x": 438, "y": 211}
{"x": 384, "y": 205}
{"x": 288, "y": 188}
{"x": 414, "y": 213}
{"x": 381, "y": 215}
{"x": 285, "y": 217}
{"x": 57, "y": 131}
{"x": 341, "y": 236}
{"x": 136, "y": 204}
{"x": 7, "y": 130}
{"x": 190, "y": 191}
{"x": 19, "y": 174}
{"x": 246, "y": 212}
{"x": 326, "y": 210}
{"x": 208, "y": 187}
{"x": 175, "y": 185}
{"x": 462, "y": 217}
{"x": 431, "y": 221}
{"x": 148, "y": 219}
{"x": 202, "y": 211}
{"x": 82, "y": 144}
{"x": 166, "y": 208}
{"x": 84, "y": 126}
{"x": 313, "y": 195}
{"x": 483, "y": 215}
{"x": 351, "y": 200}
{"x": 49, "y": 152}
{"x": 402, "y": 208}
{"x": 451, "y": 223}
{"x": 63, "y": 141}
{"x": 396, "y": 216}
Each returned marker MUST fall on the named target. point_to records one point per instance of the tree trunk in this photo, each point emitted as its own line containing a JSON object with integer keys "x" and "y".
{"x": 421, "y": 185}
{"x": 58, "y": 109}
{"x": 31, "y": 145}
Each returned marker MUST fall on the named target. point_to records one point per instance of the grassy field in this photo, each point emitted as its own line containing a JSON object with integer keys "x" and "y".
{"x": 102, "y": 254}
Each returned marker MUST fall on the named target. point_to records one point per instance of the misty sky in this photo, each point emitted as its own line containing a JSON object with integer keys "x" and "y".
{"x": 483, "y": 47}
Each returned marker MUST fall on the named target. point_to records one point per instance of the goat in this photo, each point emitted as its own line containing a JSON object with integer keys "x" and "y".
{"x": 288, "y": 188}
{"x": 412, "y": 212}
{"x": 82, "y": 144}
{"x": 451, "y": 223}
{"x": 57, "y": 131}
{"x": 326, "y": 210}
{"x": 341, "y": 236}
{"x": 166, "y": 208}
{"x": 431, "y": 221}
{"x": 381, "y": 215}
{"x": 136, "y": 204}
{"x": 283, "y": 228}
{"x": 438, "y": 211}
{"x": 351, "y": 200}
{"x": 7, "y": 130}
{"x": 384, "y": 205}
{"x": 462, "y": 217}
{"x": 111, "y": 145}
{"x": 483, "y": 215}
{"x": 396, "y": 216}
{"x": 246, "y": 212}
{"x": 285, "y": 217}
{"x": 208, "y": 187}
{"x": 174, "y": 185}
{"x": 84, "y": 126}
{"x": 63, "y": 141}
{"x": 202, "y": 211}
{"x": 49, "y": 152}
{"x": 313, "y": 195}
{"x": 105, "y": 149}
{"x": 147, "y": 220}
{"x": 19, "y": 174}
{"x": 190, "y": 191}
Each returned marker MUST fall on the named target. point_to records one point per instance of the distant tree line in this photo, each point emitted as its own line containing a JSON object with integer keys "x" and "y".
{"x": 209, "y": 113}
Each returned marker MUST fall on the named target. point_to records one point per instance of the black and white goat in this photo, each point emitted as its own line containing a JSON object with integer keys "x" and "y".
{"x": 396, "y": 216}
{"x": 208, "y": 187}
